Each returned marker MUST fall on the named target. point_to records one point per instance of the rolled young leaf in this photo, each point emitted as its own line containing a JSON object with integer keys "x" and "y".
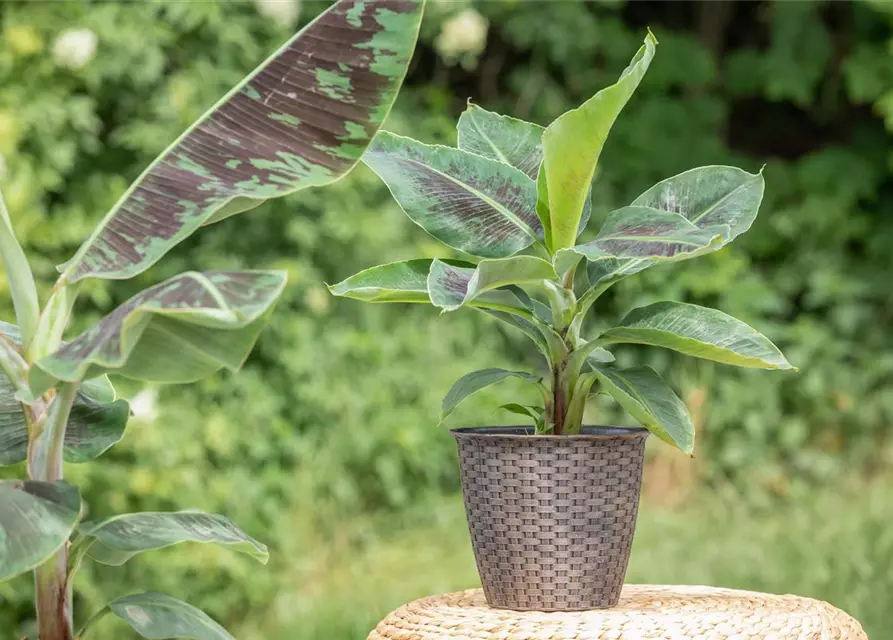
{"x": 508, "y": 140}
{"x": 473, "y": 382}
{"x": 697, "y": 331}
{"x": 160, "y": 617}
{"x": 302, "y": 119}
{"x": 116, "y": 540}
{"x": 19, "y": 278}
{"x": 468, "y": 202}
{"x": 451, "y": 287}
{"x": 572, "y": 145}
{"x": 96, "y": 422}
{"x": 181, "y": 330}
{"x": 647, "y": 398}
{"x": 36, "y": 519}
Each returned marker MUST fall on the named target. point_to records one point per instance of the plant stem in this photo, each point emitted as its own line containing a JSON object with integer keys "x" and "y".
{"x": 54, "y": 616}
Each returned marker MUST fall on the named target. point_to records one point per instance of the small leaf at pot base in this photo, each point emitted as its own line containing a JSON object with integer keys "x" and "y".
{"x": 647, "y": 398}
{"x": 36, "y": 520}
{"x": 473, "y": 382}
{"x": 573, "y": 143}
{"x": 699, "y": 332}
{"x": 480, "y": 206}
{"x": 502, "y": 138}
{"x": 116, "y": 540}
{"x": 302, "y": 119}
{"x": 524, "y": 410}
{"x": 452, "y": 287}
{"x": 159, "y": 617}
{"x": 181, "y": 330}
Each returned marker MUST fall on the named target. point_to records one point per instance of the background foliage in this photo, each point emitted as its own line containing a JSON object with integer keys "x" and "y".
{"x": 326, "y": 445}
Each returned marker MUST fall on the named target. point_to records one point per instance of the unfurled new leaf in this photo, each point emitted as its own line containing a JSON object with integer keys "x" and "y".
{"x": 508, "y": 140}
{"x": 697, "y": 331}
{"x": 475, "y": 381}
{"x": 36, "y": 519}
{"x": 159, "y": 617}
{"x": 452, "y": 287}
{"x": 572, "y": 145}
{"x": 650, "y": 400}
{"x": 116, "y": 540}
{"x": 405, "y": 281}
{"x": 301, "y": 119}
{"x": 468, "y": 202}
{"x": 181, "y": 330}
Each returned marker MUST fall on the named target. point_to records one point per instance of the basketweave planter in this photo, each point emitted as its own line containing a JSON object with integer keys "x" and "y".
{"x": 551, "y": 518}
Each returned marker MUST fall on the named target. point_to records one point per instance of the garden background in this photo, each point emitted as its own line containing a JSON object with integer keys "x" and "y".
{"x": 326, "y": 446}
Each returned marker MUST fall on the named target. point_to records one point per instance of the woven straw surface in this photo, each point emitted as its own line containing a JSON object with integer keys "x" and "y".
{"x": 552, "y": 518}
{"x": 645, "y": 612}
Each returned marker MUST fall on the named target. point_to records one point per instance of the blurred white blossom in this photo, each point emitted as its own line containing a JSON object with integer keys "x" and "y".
{"x": 463, "y": 34}
{"x": 74, "y": 48}
{"x": 145, "y": 405}
{"x": 283, "y": 12}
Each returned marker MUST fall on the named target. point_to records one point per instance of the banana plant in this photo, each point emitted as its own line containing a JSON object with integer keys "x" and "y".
{"x": 514, "y": 197}
{"x": 302, "y": 119}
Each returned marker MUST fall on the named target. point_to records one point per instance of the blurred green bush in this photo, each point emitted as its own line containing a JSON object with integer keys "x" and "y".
{"x": 335, "y": 413}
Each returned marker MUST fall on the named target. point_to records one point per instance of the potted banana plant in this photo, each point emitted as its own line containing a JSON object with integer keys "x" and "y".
{"x": 302, "y": 119}
{"x": 552, "y": 506}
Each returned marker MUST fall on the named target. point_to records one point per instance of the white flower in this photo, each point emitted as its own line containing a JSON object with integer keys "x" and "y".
{"x": 464, "y": 33}
{"x": 284, "y": 12}
{"x": 145, "y": 405}
{"x": 74, "y": 48}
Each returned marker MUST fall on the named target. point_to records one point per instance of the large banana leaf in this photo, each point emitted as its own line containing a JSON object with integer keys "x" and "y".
{"x": 573, "y": 143}
{"x": 36, "y": 519}
{"x": 116, "y": 540}
{"x": 481, "y": 206}
{"x": 96, "y": 422}
{"x": 159, "y": 617}
{"x": 301, "y": 119}
{"x": 697, "y": 331}
{"x": 473, "y": 382}
{"x": 508, "y": 140}
{"x": 453, "y": 287}
{"x": 181, "y": 330}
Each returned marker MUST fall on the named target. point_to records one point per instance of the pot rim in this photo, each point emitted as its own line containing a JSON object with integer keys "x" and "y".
{"x": 526, "y": 432}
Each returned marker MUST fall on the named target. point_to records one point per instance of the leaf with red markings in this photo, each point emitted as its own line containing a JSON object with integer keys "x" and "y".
{"x": 481, "y": 206}
{"x": 181, "y": 330}
{"x": 301, "y": 119}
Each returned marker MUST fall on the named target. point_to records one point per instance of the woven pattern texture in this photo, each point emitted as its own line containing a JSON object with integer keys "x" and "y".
{"x": 551, "y": 518}
{"x": 644, "y": 612}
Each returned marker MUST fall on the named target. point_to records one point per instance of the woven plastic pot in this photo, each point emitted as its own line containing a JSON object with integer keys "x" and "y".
{"x": 551, "y": 517}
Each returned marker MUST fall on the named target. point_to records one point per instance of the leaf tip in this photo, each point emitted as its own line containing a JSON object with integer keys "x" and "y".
{"x": 651, "y": 36}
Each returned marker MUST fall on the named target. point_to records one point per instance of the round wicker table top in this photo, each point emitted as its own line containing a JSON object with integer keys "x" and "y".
{"x": 645, "y": 612}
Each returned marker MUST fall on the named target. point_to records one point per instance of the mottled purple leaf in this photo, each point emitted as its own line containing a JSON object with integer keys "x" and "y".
{"x": 469, "y": 202}
{"x": 36, "y": 519}
{"x": 96, "y": 422}
{"x": 181, "y": 330}
{"x": 301, "y": 119}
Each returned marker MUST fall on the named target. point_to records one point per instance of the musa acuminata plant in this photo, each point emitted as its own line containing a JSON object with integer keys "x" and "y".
{"x": 302, "y": 119}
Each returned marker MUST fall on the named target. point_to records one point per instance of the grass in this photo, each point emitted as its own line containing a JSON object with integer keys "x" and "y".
{"x": 832, "y": 545}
